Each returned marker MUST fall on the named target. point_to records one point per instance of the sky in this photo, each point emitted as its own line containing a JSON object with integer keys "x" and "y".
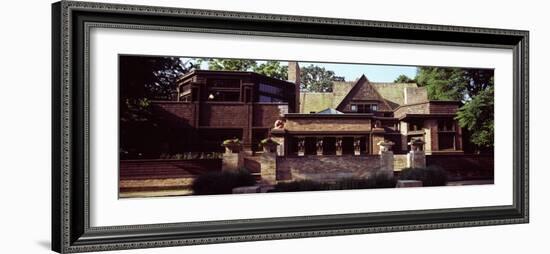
{"x": 375, "y": 73}
{"x": 351, "y": 72}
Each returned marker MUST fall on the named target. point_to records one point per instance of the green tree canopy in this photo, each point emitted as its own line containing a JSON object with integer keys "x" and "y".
{"x": 317, "y": 79}
{"x": 453, "y": 83}
{"x": 477, "y": 116}
{"x": 272, "y": 69}
{"x": 404, "y": 79}
{"x": 217, "y": 64}
{"x": 442, "y": 83}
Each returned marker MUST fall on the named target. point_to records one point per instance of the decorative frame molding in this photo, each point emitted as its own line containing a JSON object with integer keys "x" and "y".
{"x": 71, "y": 22}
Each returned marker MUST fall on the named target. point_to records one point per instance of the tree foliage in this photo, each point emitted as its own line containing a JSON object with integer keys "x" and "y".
{"x": 142, "y": 79}
{"x": 404, "y": 79}
{"x": 477, "y": 116}
{"x": 272, "y": 69}
{"x": 313, "y": 78}
{"x": 217, "y": 64}
{"x": 317, "y": 79}
{"x": 454, "y": 83}
{"x": 149, "y": 77}
{"x": 442, "y": 83}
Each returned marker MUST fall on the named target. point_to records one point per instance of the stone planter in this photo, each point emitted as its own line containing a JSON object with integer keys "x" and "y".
{"x": 416, "y": 158}
{"x": 232, "y": 158}
{"x": 385, "y": 146}
{"x": 232, "y": 146}
{"x": 269, "y": 145}
{"x": 416, "y": 144}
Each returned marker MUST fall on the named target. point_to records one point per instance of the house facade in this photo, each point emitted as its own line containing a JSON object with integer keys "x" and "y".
{"x": 213, "y": 106}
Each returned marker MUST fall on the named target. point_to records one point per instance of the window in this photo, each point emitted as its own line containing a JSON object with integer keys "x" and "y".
{"x": 446, "y": 141}
{"x": 265, "y": 88}
{"x": 264, "y": 98}
{"x": 416, "y": 125}
{"x": 223, "y": 95}
{"x": 445, "y": 125}
{"x": 374, "y": 107}
{"x": 364, "y": 108}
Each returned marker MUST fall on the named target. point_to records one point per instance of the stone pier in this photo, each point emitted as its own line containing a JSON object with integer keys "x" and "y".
{"x": 268, "y": 162}
{"x": 416, "y": 158}
{"x": 232, "y": 159}
{"x": 386, "y": 158}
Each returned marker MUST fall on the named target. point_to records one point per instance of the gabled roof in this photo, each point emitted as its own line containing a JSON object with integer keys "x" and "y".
{"x": 329, "y": 111}
{"x": 365, "y": 91}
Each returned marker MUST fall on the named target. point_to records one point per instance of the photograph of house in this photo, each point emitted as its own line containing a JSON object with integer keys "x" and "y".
{"x": 272, "y": 132}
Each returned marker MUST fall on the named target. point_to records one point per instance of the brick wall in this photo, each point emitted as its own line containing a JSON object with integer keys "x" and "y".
{"x": 179, "y": 112}
{"x": 265, "y": 115}
{"x": 224, "y": 115}
{"x": 421, "y": 108}
{"x": 326, "y": 168}
{"x": 432, "y": 107}
{"x": 438, "y": 108}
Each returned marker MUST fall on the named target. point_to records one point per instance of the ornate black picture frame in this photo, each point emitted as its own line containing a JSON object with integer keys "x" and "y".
{"x": 71, "y": 230}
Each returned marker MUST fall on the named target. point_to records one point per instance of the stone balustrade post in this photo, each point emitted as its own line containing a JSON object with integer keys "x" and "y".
{"x": 356, "y": 146}
{"x": 416, "y": 158}
{"x": 319, "y": 146}
{"x": 386, "y": 158}
{"x": 339, "y": 146}
{"x": 268, "y": 162}
{"x": 301, "y": 146}
{"x": 233, "y": 158}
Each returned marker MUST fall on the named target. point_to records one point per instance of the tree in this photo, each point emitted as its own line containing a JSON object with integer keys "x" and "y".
{"x": 272, "y": 69}
{"x": 316, "y": 79}
{"x": 142, "y": 79}
{"x": 454, "y": 83}
{"x": 149, "y": 77}
{"x": 477, "y": 116}
{"x": 442, "y": 83}
{"x": 217, "y": 64}
{"x": 404, "y": 79}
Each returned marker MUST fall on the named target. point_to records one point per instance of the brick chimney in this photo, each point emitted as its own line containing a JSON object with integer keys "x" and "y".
{"x": 294, "y": 77}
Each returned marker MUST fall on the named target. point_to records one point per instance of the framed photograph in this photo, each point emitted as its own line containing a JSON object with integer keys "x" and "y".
{"x": 182, "y": 126}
